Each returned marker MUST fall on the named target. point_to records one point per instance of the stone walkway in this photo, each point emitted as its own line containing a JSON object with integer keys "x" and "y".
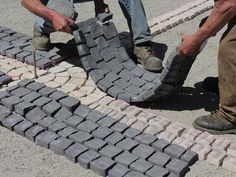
{"x": 69, "y": 77}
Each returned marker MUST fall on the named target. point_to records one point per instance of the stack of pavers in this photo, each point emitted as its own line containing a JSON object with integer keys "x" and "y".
{"x": 56, "y": 121}
{"x": 115, "y": 73}
{"x": 4, "y": 79}
{"x": 18, "y": 46}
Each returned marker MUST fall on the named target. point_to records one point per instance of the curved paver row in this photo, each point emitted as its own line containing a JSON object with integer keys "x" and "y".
{"x": 18, "y": 46}
{"x": 115, "y": 73}
{"x": 61, "y": 123}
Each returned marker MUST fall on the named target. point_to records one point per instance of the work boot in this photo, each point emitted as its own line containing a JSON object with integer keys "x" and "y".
{"x": 215, "y": 124}
{"x": 211, "y": 84}
{"x": 41, "y": 40}
{"x": 146, "y": 56}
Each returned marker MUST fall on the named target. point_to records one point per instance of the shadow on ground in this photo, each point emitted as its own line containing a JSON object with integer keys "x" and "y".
{"x": 188, "y": 98}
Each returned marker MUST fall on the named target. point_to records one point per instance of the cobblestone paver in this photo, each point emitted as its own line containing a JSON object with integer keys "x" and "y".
{"x": 87, "y": 141}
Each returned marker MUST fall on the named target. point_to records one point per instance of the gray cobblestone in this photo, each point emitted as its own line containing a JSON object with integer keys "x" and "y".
{"x": 118, "y": 171}
{"x": 35, "y": 115}
{"x": 127, "y": 144}
{"x": 70, "y": 103}
{"x": 57, "y": 126}
{"x": 74, "y": 121}
{"x": 32, "y": 96}
{"x": 160, "y": 159}
{"x": 82, "y": 111}
{"x": 110, "y": 151}
{"x": 40, "y": 102}
{"x": 114, "y": 138}
{"x": 60, "y": 145}
{"x": 33, "y": 132}
{"x": 178, "y": 167}
{"x": 74, "y": 151}
{"x": 141, "y": 166}
{"x": 132, "y": 132}
{"x": 157, "y": 171}
{"x": 86, "y": 158}
{"x": 11, "y": 101}
{"x": 145, "y": 138}
{"x": 46, "y": 122}
{"x": 67, "y": 132}
{"x": 63, "y": 114}
{"x": 12, "y": 120}
{"x": 95, "y": 144}
{"x": 143, "y": 151}
{"x": 160, "y": 144}
{"x": 175, "y": 150}
{"x": 102, "y": 132}
{"x": 87, "y": 126}
{"x": 80, "y": 137}
{"x": 126, "y": 158}
{"x": 51, "y": 108}
{"x": 45, "y": 138}
{"x": 23, "y": 108}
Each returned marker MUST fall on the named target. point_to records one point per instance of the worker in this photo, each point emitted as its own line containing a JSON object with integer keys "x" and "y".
{"x": 59, "y": 15}
{"x": 224, "y": 12}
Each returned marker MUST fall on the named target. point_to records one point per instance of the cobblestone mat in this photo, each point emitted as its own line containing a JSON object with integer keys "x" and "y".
{"x": 18, "y": 46}
{"x": 4, "y": 79}
{"x": 171, "y": 19}
{"x": 56, "y": 121}
{"x": 115, "y": 73}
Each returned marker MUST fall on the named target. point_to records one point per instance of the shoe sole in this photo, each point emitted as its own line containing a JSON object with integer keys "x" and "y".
{"x": 159, "y": 70}
{"x": 214, "y": 131}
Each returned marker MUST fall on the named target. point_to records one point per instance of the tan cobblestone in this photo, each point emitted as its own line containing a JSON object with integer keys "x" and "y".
{"x": 216, "y": 157}
{"x": 229, "y": 163}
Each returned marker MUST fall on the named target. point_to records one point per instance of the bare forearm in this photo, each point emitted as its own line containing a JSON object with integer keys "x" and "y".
{"x": 39, "y": 9}
{"x": 222, "y": 12}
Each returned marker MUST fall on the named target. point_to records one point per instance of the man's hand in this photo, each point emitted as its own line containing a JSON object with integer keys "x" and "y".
{"x": 190, "y": 46}
{"x": 62, "y": 23}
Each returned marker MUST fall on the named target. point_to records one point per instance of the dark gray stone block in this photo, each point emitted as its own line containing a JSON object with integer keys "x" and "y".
{"x": 19, "y": 92}
{"x": 4, "y": 112}
{"x": 95, "y": 116}
{"x": 172, "y": 175}
{"x": 22, "y": 127}
{"x": 108, "y": 54}
{"x": 4, "y": 94}
{"x": 10, "y": 89}
{"x": 175, "y": 150}
{"x": 95, "y": 144}
{"x": 134, "y": 90}
{"x": 104, "y": 84}
{"x": 80, "y": 137}
{"x": 21, "y": 56}
{"x": 110, "y": 151}
{"x": 104, "y": 68}
{"x": 83, "y": 50}
{"x": 74, "y": 121}
{"x": 134, "y": 173}
{"x": 122, "y": 84}
{"x": 90, "y": 40}
{"x": 57, "y": 126}
{"x": 143, "y": 151}
{"x": 109, "y": 30}
{"x": 107, "y": 121}
{"x": 127, "y": 144}
{"x": 23, "y": 108}
{"x": 141, "y": 165}
{"x": 12, "y": 53}
{"x": 58, "y": 95}
{"x": 145, "y": 138}
{"x": 126, "y": 75}
{"x": 46, "y": 122}
{"x": 178, "y": 167}
{"x": 148, "y": 76}
{"x": 79, "y": 37}
{"x": 87, "y": 126}
{"x": 190, "y": 157}
{"x": 137, "y": 82}
{"x": 11, "y": 101}
{"x": 70, "y": 103}
{"x": 46, "y": 91}
{"x": 115, "y": 91}
{"x": 95, "y": 52}
{"x": 5, "y": 79}
{"x": 102, "y": 132}
{"x": 35, "y": 115}
{"x": 96, "y": 75}
{"x": 25, "y": 82}
{"x": 129, "y": 65}
{"x": 60, "y": 145}
{"x": 132, "y": 132}
{"x": 120, "y": 127}
{"x": 157, "y": 171}
{"x": 114, "y": 138}
{"x": 87, "y": 157}
{"x": 102, "y": 165}
{"x": 67, "y": 132}
{"x": 35, "y": 86}
{"x": 114, "y": 42}
{"x": 138, "y": 71}
{"x": 45, "y": 138}
{"x": 118, "y": 171}
{"x": 51, "y": 108}
{"x": 160, "y": 144}
{"x": 45, "y": 63}
{"x": 33, "y": 132}
{"x": 74, "y": 151}
{"x": 126, "y": 158}
{"x": 160, "y": 159}
{"x": 11, "y": 121}
{"x": 89, "y": 63}
{"x": 82, "y": 111}
{"x": 63, "y": 114}
{"x": 101, "y": 43}
{"x": 32, "y": 96}
{"x": 40, "y": 102}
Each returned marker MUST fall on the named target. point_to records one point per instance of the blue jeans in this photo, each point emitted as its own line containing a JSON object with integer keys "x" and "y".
{"x": 137, "y": 21}
{"x": 133, "y": 11}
